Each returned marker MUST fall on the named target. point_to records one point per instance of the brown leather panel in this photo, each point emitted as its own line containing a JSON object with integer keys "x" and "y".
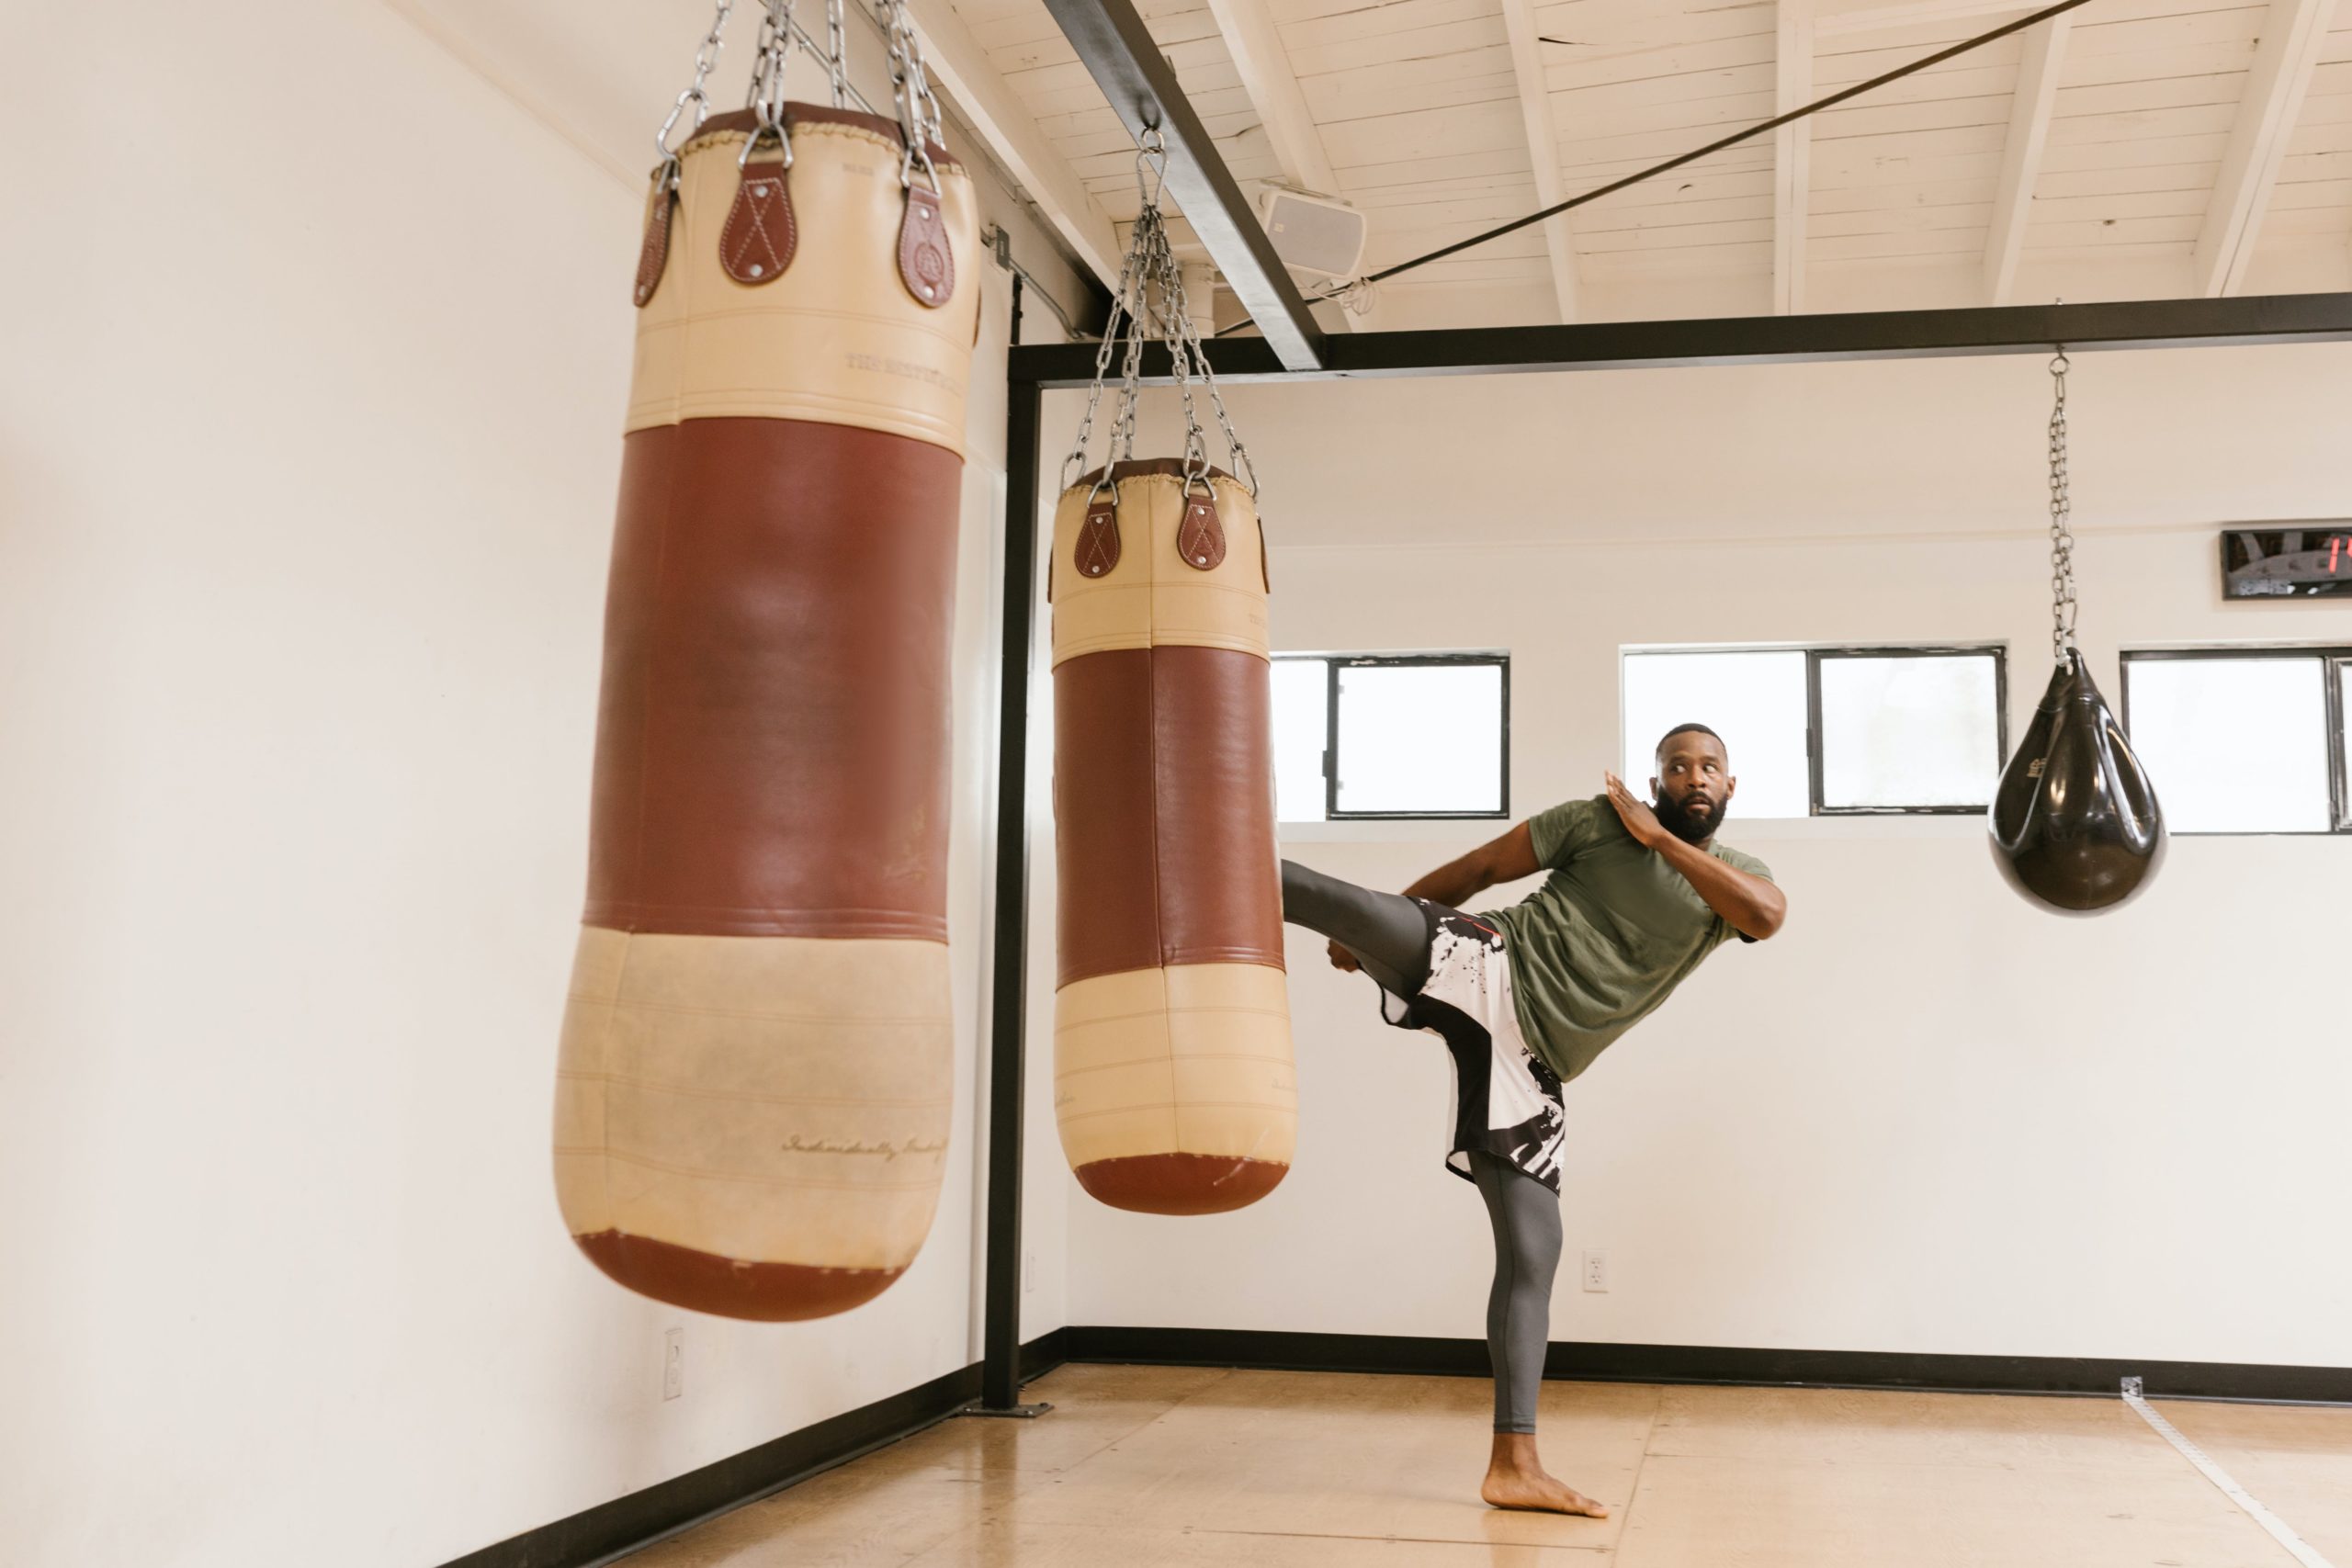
{"x": 653, "y": 255}
{"x": 728, "y": 1287}
{"x": 1137, "y": 466}
{"x": 772, "y": 743}
{"x": 1164, "y": 801}
{"x": 760, "y": 236}
{"x": 1200, "y": 538}
{"x": 798, "y": 115}
{"x": 926, "y": 261}
{"x": 1179, "y": 1183}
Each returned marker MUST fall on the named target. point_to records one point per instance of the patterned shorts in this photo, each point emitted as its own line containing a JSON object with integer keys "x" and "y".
{"x": 1506, "y": 1101}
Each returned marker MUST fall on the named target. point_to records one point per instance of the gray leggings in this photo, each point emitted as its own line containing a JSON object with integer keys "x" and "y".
{"x": 1390, "y": 936}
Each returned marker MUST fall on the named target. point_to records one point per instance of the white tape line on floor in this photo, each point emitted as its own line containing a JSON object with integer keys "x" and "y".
{"x": 2304, "y": 1552}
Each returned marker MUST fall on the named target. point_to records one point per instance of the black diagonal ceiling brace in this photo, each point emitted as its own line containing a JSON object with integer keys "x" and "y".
{"x": 1110, "y": 39}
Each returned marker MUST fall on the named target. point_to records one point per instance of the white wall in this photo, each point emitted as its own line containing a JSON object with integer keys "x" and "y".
{"x": 318, "y": 342}
{"x": 1925, "y": 1117}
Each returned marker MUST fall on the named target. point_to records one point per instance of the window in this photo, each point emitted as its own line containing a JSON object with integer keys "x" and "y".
{"x": 1830, "y": 731}
{"x": 2243, "y": 741}
{"x": 1362, "y": 735}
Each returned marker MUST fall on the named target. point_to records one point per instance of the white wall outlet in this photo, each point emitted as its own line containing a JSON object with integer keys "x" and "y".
{"x": 1596, "y": 1270}
{"x": 1028, "y": 1272}
{"x": 673, "y": 1363}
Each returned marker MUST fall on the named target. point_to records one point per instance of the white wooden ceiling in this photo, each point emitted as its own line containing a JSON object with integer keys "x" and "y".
{"x": 2135, "y": 149}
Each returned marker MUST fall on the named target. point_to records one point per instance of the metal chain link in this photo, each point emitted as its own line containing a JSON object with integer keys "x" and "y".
{"x": 2062, "y": 534}
{"x": 767, "y": 98}
{"x": 919, "y": 112}
{"x": 837, "y": 53}
{"x": 1150, "y": 300}
{"x": 706, "y": 57}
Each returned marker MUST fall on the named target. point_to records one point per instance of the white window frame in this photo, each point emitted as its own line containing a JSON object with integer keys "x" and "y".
{"x": 1333, "y": 741}
{"x": 1813, "y": 655}
{"x": 2335, "y": 661}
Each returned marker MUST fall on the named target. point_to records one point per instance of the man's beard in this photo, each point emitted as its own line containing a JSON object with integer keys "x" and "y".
{"x": 1691, "y": 827}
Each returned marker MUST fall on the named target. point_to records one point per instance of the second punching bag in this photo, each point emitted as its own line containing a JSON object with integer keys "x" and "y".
{"x": 754, "y": 1088}
{"x": 1174, "y": 1084}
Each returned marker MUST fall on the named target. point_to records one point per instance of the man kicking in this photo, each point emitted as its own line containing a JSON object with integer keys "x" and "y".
{"x": 1526, "y": 997}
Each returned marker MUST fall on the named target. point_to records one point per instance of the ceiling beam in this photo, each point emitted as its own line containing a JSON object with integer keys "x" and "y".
{"x": 1542, "y": 147}
{"x": 1791, "y": 155}
{"x": 1835, "y": 22}
{"x": 1272, "y": 87}
{"x": 953, "y": 55}
{"x": 2045, "y": 52}
{"x": 2294, "y": 34}
{"x": 1119, "y": 52}
{"x": 1753, "y": 339}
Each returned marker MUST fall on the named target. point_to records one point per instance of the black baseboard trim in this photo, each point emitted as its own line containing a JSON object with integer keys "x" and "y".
{"x": 612, "y": 1530}
{"x": 1713, "y": 1364}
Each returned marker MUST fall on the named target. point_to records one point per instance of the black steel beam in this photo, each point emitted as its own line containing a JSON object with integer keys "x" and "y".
{"x": 1000, "y": 1333}
{"x": 1751, "y": 340}
{"x": 1126, "y": 64}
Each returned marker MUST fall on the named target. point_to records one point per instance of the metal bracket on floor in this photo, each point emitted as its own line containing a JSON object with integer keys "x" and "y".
{"x": 1012, "y": 1412}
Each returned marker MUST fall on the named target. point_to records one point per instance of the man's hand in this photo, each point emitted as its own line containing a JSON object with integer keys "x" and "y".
{"x": 1639, "y": 819}
{"x": 1343, "y": 961}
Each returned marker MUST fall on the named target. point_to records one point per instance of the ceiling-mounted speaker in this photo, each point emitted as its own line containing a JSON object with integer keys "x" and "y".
{"x": 1313, "y": 234}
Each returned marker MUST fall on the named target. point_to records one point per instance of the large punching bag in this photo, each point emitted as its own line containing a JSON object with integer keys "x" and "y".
{"x": 1174, "y": 1084}
{"x": 754, "y": 1088}
{"x": 2076, "y": 826}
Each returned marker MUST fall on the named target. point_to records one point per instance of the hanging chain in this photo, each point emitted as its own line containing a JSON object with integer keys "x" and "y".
{"x": 767, "y": 98}
{"x": 2062, "y": 534}
{"x": 911, "y": 85}
{"x": 706, "y": 57}
{"x": 1150, "y": 301}
{"x": 837, "y": 53}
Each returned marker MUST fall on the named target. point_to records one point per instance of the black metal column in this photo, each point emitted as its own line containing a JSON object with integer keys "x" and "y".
{"x": 1001, "y": 1363}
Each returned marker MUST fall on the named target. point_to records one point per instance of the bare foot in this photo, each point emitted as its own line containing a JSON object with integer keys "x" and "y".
{"x": 1517, "y": 1479}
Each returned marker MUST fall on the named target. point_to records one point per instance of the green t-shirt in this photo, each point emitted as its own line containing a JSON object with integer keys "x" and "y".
{"x": 1612, "y": 930}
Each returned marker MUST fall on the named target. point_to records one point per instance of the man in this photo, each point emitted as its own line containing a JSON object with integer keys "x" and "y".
{"x": 1525, "y": 997}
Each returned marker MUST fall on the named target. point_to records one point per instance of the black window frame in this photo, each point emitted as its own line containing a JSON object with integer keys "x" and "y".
{"x": 2335, "y": 661}
{"x": 1815, "y": 653}
{"x": 1334, "y": 662}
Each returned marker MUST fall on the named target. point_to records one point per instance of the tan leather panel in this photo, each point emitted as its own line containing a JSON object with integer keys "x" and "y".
{"x": 837, "y": 338}
{"x": 1151, "y": 596}
{"x": 1164, "y": 811}
{"x": 772, "y": 739}
{"x": 761, "y": 1100}
{"x": 1191, "y": 1060}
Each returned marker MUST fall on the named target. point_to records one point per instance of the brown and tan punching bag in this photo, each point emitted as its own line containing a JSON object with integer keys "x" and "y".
{"x": 1173, "y": 1079}
{"x": 756, "y": 1062}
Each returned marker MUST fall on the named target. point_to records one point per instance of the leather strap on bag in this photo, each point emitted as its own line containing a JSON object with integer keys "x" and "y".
{"x": 926, "y": 261}
{"x": 761, "y": 235}
{"x": 653, "y": 257}
{"x": 1098, "y": 537}
{"x": 1200, "y": 538}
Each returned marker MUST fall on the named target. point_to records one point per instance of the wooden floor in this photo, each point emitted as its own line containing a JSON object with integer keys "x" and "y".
{"x": 1149, "y": 1467}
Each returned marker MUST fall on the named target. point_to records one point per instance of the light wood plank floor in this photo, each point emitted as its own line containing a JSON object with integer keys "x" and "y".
{"x": 1151, "y": 1467}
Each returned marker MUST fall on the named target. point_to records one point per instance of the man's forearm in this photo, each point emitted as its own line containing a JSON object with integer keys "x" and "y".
{"x": 1457, "y": 882}
{"x": 1753, "y": 906}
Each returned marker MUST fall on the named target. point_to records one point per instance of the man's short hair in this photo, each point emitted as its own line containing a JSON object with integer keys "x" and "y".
{"x": 1688, "y": 729}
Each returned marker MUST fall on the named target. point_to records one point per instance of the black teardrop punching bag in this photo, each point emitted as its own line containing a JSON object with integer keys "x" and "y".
{"x": 2075, "y": 824}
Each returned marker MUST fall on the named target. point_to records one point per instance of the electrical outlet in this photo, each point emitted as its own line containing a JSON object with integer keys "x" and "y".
{"x": 1028, "y": 1272}
{"x": 1596, "y": 1270}
{"x": 673, "y": 1363}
